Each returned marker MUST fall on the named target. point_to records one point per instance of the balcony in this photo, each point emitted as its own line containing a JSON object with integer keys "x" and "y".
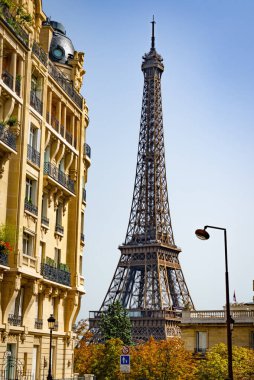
{"x": 14, "y": 320}
{"x": 33, "y": 155}
{"x": 40, "y": 53}
{"x": 45, "y": 221}
{"x": 35, "y": 102}
{"x": 38, "y": 323}
{"x": 7, "y": 79}
{"x": 59, "y": 229}
{"x": 243, "y": 315}
{"x": 66, "y": 85}
{"x": 30, "y": 207}
{"x": 56, "y": 275}
{"x": 59, "y": 176}
{"x": 3, "y": 259}
{"x": 7, "y": 137}
{"x": 13, "y": 25}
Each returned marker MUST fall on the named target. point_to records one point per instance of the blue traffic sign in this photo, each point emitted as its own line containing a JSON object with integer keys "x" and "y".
{"x": 125, "y": 359}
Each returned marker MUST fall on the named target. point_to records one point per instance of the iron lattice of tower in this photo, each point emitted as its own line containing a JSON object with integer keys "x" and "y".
{"x": 148, "y": 280}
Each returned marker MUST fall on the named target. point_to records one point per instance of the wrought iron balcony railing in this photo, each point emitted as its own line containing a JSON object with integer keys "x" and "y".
{"x": 14, "y": 320}
{"x": 33, "y": 155}
{"x": 56, "y": 275}
{"x": 45, "y": 220}
{"x": 35, "y": 102}
{"x": 29, "y": 206}
{"x": 59, "y": 229}
{"x": 4, "y": 259}
{"x": 7, "y": 79}
{"x": 65, "y": 84}
{"x": 13, "y": 25}
{"x": 38, "y": 323}
{"x": 7, "y": 137}
{"x": 87, "y": 150}
{"x": 83, "y": 195}
{"x": 59, "y": 176}
{"x": 40, "y": 53}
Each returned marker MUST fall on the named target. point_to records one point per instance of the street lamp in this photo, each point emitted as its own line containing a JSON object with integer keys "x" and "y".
{"x": 204, "y": 235}
{"x": 51, "y": 325}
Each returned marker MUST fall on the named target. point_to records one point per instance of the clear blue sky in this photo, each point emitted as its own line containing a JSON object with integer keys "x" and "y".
{"x": 208, "y": 107}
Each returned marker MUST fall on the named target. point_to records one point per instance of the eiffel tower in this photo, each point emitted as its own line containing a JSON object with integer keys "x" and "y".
{"x": 148, "y": 280}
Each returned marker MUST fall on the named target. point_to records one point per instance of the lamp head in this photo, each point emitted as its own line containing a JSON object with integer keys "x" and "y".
{"x": 202, "y": 234}
{"x": 51, "y": 322}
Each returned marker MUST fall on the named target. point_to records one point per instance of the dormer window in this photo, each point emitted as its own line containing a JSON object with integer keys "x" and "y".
{"x": 58, "y": 52}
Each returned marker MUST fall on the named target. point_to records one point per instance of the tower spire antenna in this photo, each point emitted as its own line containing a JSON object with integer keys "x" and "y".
{"x": 153, "y": 37}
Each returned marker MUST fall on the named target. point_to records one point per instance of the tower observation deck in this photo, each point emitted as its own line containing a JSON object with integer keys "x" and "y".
{"x": 148, "y": 280}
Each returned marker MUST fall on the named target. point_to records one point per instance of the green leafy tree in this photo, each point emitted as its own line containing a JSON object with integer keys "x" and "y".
{"x": 115, "y": 323}
{"x": 215, "y": 366}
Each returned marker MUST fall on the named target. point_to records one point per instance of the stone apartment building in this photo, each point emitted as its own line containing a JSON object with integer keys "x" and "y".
{"x": 44, "y": 161}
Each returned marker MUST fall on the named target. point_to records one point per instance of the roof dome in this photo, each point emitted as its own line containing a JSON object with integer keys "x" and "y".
{"x": 61, "y": 47}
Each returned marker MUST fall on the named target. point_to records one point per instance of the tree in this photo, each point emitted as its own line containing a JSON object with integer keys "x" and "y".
{"x": 101, "y": 359}
{"x": 215, "y": 366}
{"x": 162, "y": 360}
{"x": 83, "y": 352}
{"x": 115, "y": 323}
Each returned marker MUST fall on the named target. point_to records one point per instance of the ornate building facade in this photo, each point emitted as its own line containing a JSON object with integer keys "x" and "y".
{"x": 44, "y": 161}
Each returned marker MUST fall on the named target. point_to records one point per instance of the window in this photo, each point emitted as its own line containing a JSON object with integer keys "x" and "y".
{"x": 47, "y": 154}
{"x": 61, "y": 165}
{"x": 10, "y": 368}
{"x": 80, "y": 264}
{"x": 27, "y": 244}
{"x": 59, "y": 214}
{"x": 16, "y": 310}
{"x": 31, "y": 190}
{"x": 82, "y": 222}
{"x": 57, "y": 256}
{"x": 36, "y": 86}
{"x": 201, "y": 344}
{"x": 33, "y": 137}
{"x": 44, "y": 210}
{"x": 252, "y": 340}
{"x": 42, "y": 252}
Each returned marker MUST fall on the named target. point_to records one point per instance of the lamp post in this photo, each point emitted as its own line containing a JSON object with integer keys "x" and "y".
{"x": 51, "y": 325}
{"x": 204, "y": 235}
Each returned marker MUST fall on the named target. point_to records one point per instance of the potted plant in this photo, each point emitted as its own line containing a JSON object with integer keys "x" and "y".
{"x": 12, "y": 122}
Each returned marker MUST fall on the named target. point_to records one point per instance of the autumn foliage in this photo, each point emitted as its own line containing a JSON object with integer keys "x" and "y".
{"x": 160, "y": 360}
